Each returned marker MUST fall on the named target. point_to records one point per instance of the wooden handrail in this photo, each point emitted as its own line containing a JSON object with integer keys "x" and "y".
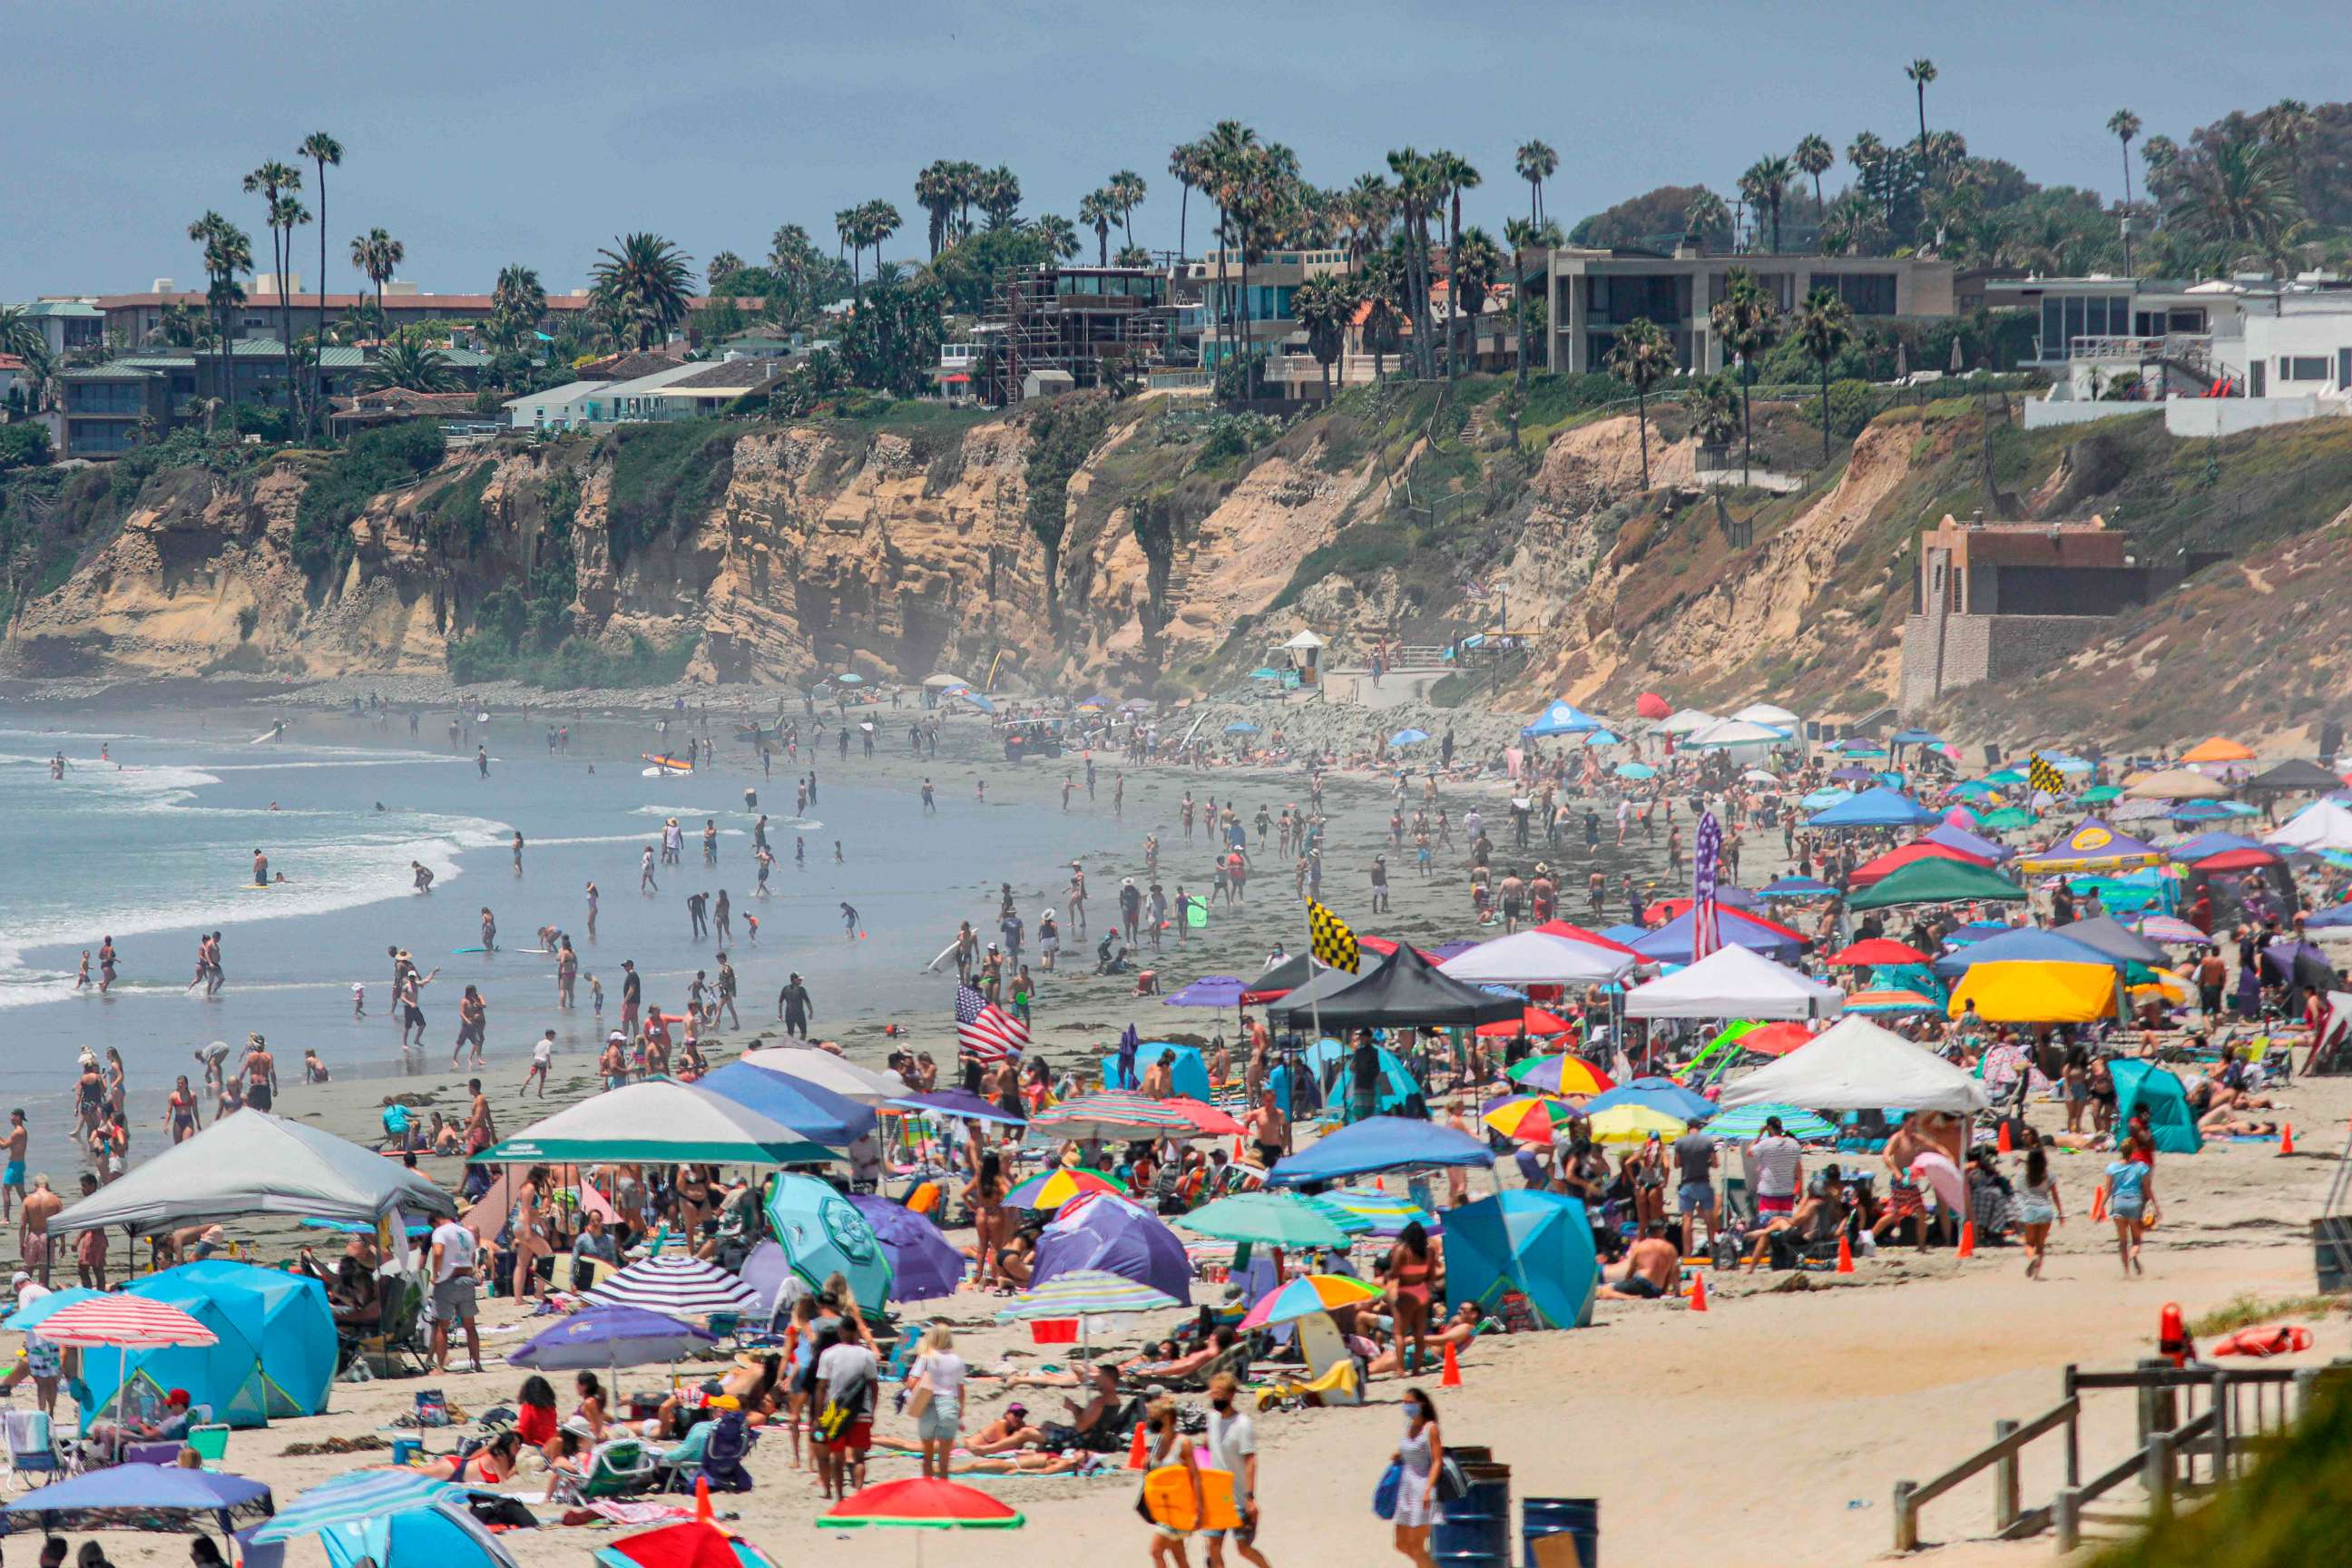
{"x": 2009, "y": 1441}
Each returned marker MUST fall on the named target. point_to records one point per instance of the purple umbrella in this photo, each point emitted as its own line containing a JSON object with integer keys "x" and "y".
{"x": 960, "y": 1102}
{"x": 1119, "y": 1238}
{"x": 610, "y": 1337}
{"x": 922, "y": 1264}
{"x": 1220, "y": 991}
{"x": 1851, "y": 772}
{"x": 1453, "y": 949}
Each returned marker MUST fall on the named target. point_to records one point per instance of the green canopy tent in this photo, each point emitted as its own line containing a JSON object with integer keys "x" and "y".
{"x": 1937, "y": 881}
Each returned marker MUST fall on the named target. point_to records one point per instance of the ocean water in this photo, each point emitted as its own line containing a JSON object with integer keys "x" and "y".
{"x": 149, "y": 837}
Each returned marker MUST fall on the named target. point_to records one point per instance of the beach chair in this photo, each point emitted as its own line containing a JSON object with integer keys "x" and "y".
{"x": 615, "y": 1469}
{"x": 211, "y": 1443}
{"x": 724, "y": 1451}
{"x": 35, "y": 1458}
{"x": 400, "y": 1333}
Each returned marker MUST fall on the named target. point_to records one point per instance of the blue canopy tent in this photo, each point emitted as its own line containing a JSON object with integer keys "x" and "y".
{"x": 1796, "y": 887}
{"x": 1967, "y": 843}
{"x": 1659, "y": 1094}
{"x": 1379, "y": 1144}
{"x": 1326, "y": 1062}
{"x": 813, "y": 1111}
{"x": 1538, "y": 1244}
{"x": 1878, "y": 807}
{"x": 2024, "y": 944}
{"x": 1671, "y": 942}
{"x": 2190, "y": 850}
{"x": 156, "y": 1497}
{"x": 2145, "y": 1086}
{"x": 276, "y": 1355}
{"x": 1185, "y": 1066}
{"x": 1562, "y": 718}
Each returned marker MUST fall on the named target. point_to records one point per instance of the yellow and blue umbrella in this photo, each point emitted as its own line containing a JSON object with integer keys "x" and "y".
{"x": 1633, "y": 1124}
{"x": 1086, "y": 1293}
{"x": 1389, "y": 1213}
{"x": 1304, "y": 1297}
{"x": 1049, "y": 1190}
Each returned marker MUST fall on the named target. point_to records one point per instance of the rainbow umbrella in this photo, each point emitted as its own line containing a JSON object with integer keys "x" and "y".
{"x": 1389, "y": 1213}
{"x": 1051, "y": 1189}
{"x": 1562, "y": 1074}
{"x": 2171, "y": 929}
{"x": 1531, "y": 1119}
{"x": 1112, "y": 1115}
{"x": 1633, "y": 1124}
{"x": 1305, "y": 1297}
{"x": 1897, "y": 1001}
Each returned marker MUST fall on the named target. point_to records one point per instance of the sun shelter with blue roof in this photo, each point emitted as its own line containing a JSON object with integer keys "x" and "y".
{"x": 1381, "y": 1144}
{"x": 1878, "y": 807}
{"x": 1967, "y": 843}
{"x": 1562, "y": 718}
{"x": 1672, "y": 942}
{"x": 2143, "y": 1086}
{"x": 1537, "y": 1244}
{"x": 276, "y": 1354}
{"x": 2024, "y": 944}
{"x": 1185, "y": 1065}
{"x": 813, "y": 1111}
{"x": 1659, "y": 1094}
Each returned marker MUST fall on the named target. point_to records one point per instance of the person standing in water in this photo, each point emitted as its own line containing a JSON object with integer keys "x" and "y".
{"x": 517, "y": 852}
{"x": 482, "y": 761}
{"x": 849, "y": 922}
{"x": 795, "y": 1007}
{"x": 592, "y": 912}
{"x": 261, "y": 869}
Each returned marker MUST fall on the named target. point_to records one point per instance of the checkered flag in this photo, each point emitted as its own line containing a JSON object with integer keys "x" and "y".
{"x": 2043, "y": 777}
{"x": 1330, "y": 941}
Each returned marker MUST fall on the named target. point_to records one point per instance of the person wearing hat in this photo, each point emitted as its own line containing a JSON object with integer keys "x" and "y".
{"x": 1380, "y": 884}
{"x": 1131, "y": 907}
{"x": 107, "y": 1438}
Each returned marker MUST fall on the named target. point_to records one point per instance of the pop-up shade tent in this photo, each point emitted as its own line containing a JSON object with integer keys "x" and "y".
{"x": 2217, "y": 841}
{"x": 1403, "y": 990}
{"x": 251, "y": 1162}
{"x": 658, "y": 1122}
{"x": 1279, "y": 980}
{"x": 1108, "y": 1233}
{"x": 807, "y": 1064}
{"x": 2108, "y": 935}
{"x": 157, "y": 1496}
{"x": 1938, "y": 882}
{"x": 1562, "y": 718}
{"x": 2038, "y": 992}
{"x": 1771, "y": 713}
{"x": 1732, "y": 982}
{"x": 276, "y": 1354}
{"x": 2295, "y": 773}
{"x": 2145, "y": 1086}
{"x": 2092, "y": 846}
{"x": 1682, "y": 720}
{"x": 1880, "y": 866}
{"x": 1296, "y": 1005}
{"x": 2322, "y": 824}
{"x": 1672, "y": 942}
{"x": 1184, "y": 1065}
{"x": 1725, "y": 734}
{"x": 1326, "y": 1062}
{"x": 1379, "y": 1144}
{"x": 1538, "y": 1244}
{"x": 2024, "y": 944}
{"x": 1534, "y": 958}
{"x": 1975, "y": 846}
{"x": 1879, "y": 807}
{"x": 1857, "y": 1066}
{"x": 814, "y": 1113}
{"x": 2177, "y": 784}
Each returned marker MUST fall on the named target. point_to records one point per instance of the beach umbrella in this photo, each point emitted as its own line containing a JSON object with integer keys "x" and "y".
{"x": 923, "y": 1264}
{"x": 1112, "y": 1115}
{"x": 2170, "y": 928}
{"x": 677, "y": 1286}
{"x": 124, "y": 1322}
{"x": 162, "y": 1498}
{"x": 2176, "y": 783}
{"x": 1219, "y": 991}
{"x": 1747, "y": 1122}
{"x": 2199, "y": 811}
{"x": 1824, "y": 797}
{"x": 1774, "y": 1039}
{"x": 1306, "y": 1296}
{"x": 28, "y": 1318}
{"x": 1408, "y": 737}
{"x": 2099, "y": 795}
{"x": 356, "y": 1499}
{"x": 1758, "y": 775}
{"x": 1534, "y": 1023}
{"x": 959, "y": 1103}
{"x": 2217, "y": 750}
{"x": 1562, "y": 1074}
{"x": 1531, "y": 1118}
{"x": 1049, "y": 1190}
{"x": 1086, "y": 1293}
{"x": 1207, "y": 1119}
{"x": 1893, "y": 1001}
{"x": 1973, "y": 789}
{"x": 920, "y": 1502}
{"x": 607, "y": 1336}
{"x": 822, "y": 1234}
{"x": 1877, "y": 951}
{"x": 1661, "y": 1094}
{"x": 829, "y": 1072}
{"x": 1241, "y": 727}
{"x": 1634, "y": 771}
{"x": 1796, "y": 887}
{"x": 847, "y": 678}
{"x": 1271, "y": 1219}
{"x": 2007, "y": 820}
{"x": 1388, "y": 1213}
{"x": 1633, "y": 1124}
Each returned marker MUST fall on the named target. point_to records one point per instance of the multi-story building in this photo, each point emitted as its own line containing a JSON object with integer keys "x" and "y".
{"x": 138, "y": 317}
{"x": 67, "y": 325}
{"x": 1267, "y": 301}
{"x": 106, "y": 410}
{"x": 1076, "y": 319}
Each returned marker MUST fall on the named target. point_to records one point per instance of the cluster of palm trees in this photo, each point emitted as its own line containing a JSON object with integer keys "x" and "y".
{"x": 1114, "y": 203}
{"x": 948, "y": 189}
{"x": 861, "y": 228}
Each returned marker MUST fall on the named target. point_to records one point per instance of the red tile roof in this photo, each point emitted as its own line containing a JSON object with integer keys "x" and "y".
{"x": 479, "y": 304}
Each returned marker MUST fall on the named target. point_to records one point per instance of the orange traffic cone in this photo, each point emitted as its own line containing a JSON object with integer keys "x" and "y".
{"x": 1968, "y": 1239}
{"x": 1138, "y": 1454}
{"x": 2286, "y": 1138}
{"x": 2172, "y": 1340}
{"x": 1699, "y": 1291}
{"x": 2098, "y": 1203}
{"x": 1845, "y": 1254}
{"x": 2003, "y": 1140}
{"x": 1452, "y": 1376}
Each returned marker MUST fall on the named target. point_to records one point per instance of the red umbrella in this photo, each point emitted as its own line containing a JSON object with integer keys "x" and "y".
{"x": 1775, "y": 1039}
{"x": 1878, "y": 950}
{"x": 1650, "y": 705}
{"x": 1533, "y": 1023}
{"x": 1385, "y": 946}
{"x": 922, "y": 1503}
{"x": 1589, "y": 938}
{"x": 1870, "y": 871}
{"x": 124, "y": 1322}
{"x": 2238, "y": 861}
{"x": 1207, "y": 1119}
{"x": 697, "y": 1544}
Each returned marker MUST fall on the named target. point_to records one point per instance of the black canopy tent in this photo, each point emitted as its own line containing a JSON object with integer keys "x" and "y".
{"x": 1281, "y": 980}
{"x": 2294, "y": 775}
{"x": 1402, "y": 990}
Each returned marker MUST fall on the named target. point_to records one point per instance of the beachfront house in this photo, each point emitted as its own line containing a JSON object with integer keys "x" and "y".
{"x": 557, "y": 408}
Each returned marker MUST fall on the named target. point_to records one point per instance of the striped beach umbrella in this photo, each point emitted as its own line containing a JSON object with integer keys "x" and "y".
{"x": 1747, "y": 1122}
{"x": 1049, "y": 1190}
{"x": 1273, "y": 1219}
{"x": 1305, "y": 1297}
{"x": 2171, "y": 929}
{"x": 1895, "y": 1001}
{"x": 1389, "y": 1213}
{"x": 1085, "y": 1293}
{"x": 680, "y": 1287}
{"x": 359, "y": 1498}
{"x": 125, "y": 1323}
{"x": 1531, "y": 1119}
{"x": 1113, "y": 1114}
{"x": 1562, "y": 1074}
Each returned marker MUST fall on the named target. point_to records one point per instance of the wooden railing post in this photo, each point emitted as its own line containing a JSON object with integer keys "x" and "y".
{"x": 2073, "y": 1434}
{"x": 2218, "y": 1470}
{"x": 2004, "y": 1479}
{"x": 2067, "y": 1517}
{"x": 1906, "y": 1518}
{"x": 2158, "y": 1475}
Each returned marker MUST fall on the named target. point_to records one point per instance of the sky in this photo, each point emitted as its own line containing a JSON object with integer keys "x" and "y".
{"x": 493, "y": 132}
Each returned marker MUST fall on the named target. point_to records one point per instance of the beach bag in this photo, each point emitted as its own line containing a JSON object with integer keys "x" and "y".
{"x": 832, "y": 1421}
{"x": 1450, "y": 1485}
{"x": 432, "y": 1408}
{"x": 1384, "y": 1491}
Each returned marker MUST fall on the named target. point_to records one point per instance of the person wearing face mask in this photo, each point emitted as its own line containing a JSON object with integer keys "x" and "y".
{"x": 1421, "y": 1454}
{"x": 1232, "y": 1444}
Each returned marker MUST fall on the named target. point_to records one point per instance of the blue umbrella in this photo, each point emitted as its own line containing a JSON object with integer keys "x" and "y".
{"x": 1602, "y": 738}
{"x": 957, "y": 1102}
{"x": 162, "y": 1497}
{"x": 1796, "y": 887}
{"x": 847, "y": 679}
{"x": 1562, "y": 718}
{"x": 353, "y": 1499}
{"x": 353, "y": 1227}
{"x": 922, "y": 1264}
{"x": 1209, "y": 991}
{"x": 28, "y": 1318}
{"x": 813, "y": 1111}
{"x": 1241, "y": 727}
{"x": 822, "y": 1233}
{"x": 1408, "y": 737}
{"x": 1634, "y": 771}
{"x": 1661, "y": 1094}
{"x": 611, "y": 1337}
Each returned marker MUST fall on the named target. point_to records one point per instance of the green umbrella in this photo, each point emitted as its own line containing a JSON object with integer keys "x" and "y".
{"x": 2007, "y": 818}
{"x": 1271, "y": 1219}
{"x": 1747, "y": 1121}
{"x": 1937, "y": 882}
{"x": 822, "y": 1234}
{"x": 2101, "y": 795}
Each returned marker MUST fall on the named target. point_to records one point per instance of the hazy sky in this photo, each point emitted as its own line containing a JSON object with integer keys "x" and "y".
{"x": 493, "y": 132}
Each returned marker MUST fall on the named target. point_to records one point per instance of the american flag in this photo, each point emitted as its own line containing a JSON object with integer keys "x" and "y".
{"x": 1707, "y": 934}
{"x": 984, "y": 1031}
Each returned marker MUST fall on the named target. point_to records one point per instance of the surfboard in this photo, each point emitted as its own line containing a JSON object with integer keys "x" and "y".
{"x": 259, "y": 887}
{"x": 1168, "y": 1495}
{"x": 1196, "y": 915}
{"x": 265, "y": 735}
{"x": 456, "y": 950}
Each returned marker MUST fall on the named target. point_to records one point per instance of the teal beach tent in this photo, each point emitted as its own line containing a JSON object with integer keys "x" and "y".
{"x": 276, "y": 1357}
{"x": 2144, "y": 1085}
{"x": 1538, "y": 1244}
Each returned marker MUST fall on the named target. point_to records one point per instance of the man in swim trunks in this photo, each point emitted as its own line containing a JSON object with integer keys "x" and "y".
{"x": 1653, "y": 1269}
{"x": 12, "y": 1185}
{"x": 1268, "y": 1130}
{"x": 260, "y": 1074}
{"x": 33, "y": 1233}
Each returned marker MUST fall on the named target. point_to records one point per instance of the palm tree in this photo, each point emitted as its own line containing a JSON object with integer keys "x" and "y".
{"x": 407, "y": 363}
{"x": 379, "y": 256}
{"x": 1642, "y": 357}
{"x": 935, "y": 193}
{"x": 517, "y": 304}
{"x": 2159, "y": 155}
{"x": 274, "y": 183}
{"x": 1097, "y": 210}
{"x": 1535, "y": 162}
{"x": 1867, "y": 154}
{"x": 1456, "y": 175}
{"x": 1126, "y": 189}
{"x": 1824, "y": 326}
{"x": 1814, "y": 157}
{"x": 1922, "y": 71}
{"x": 1474, "y": 267}
{"x": 1224, "y": 153}
{"x": 641, "y": 288}
{"x": 1746, "y": 325}
{"x": 17, "y": 331}
{"x": 723, "y": 266}
{"x": 999, "y": 193}
{"x": 881, "y": 221}
{"x": 1766, "y": 186}
{"x": 1061, "y": 236}
{"x": 1188, "y": 165}
{"x": 1419, "y": 192}
{"x": 2123, "y": 125}
{"x": 1522, "y": 235}
{"x": 321, "y": 150}
{"x": 1369, "y": 203}
{"x": 1324, "y": 306}
{"x": 2287, "y": 125}
{"x": 228, "y": 251}
{"x": 2238, "y": 194}
{"x": 1131, "y": 256}
{"x": 1708, "y": 213}
{"x": 1380, "y": 285}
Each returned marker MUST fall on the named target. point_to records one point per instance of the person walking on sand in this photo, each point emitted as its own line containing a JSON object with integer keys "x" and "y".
{"x": 2131, "y": 1203}
{"x": 2039, "y": 1207}
{"x": 473, "y": 1025}
{"x": 1420, "y": 1456}
{"x": 542, "y": 1056}
{"x": 12, "y": 1185}
{"x": 454, "y": 1259}
{"x": 1232, "y": 1444}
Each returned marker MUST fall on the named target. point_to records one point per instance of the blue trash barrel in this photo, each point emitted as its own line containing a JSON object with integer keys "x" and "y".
{"x": 1577, "y": 1517}
{"x": 1478, "y": 1525}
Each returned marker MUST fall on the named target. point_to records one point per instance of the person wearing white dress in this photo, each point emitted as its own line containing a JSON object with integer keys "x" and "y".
{"x": 1421, "y": 1453}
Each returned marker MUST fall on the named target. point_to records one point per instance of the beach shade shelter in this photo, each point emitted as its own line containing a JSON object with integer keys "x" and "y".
{"x": 942, "y": 680}
{"x": 353, "y": 1499}
{"x": 1536, "y": 1023}
{"x": 1207, "y": 1120}
{"x": 272, "y": 1355}
{"x": 1326, "y": 1060}
{"x": 1881, "y": 865}
{"x": 1726, "y": 896}
{"x": 1634, "y": 771}
{"x": 1650, "y": 705}
{"x": 1673, "y": 941}
{"x": 1562, "y": 718}
{"x": 2240, "y": 859}
{"x": 2007, "y": 819}
{"x": 1857, "y": 1065}
{"x": 1273, "y": 1219}
{"x": 1537, "y": 1244}
{"x": 1386, "y": 1213}
{"x": 1307, "y": 1297}
{"x": 657, "y": 1122}
{"x": 1876, "y": 951}
{"x": 1767, "y": 1039}
{"x": 1187, "y": 1069}
{"x": 2172, "y": 930}
{"x": 2145, "y": 1086}
{"x": 827, "y": 1071}
{"x": 1876, "y": 807}
{"x": 2021, "y": 944}
{"x": 1770, "y": 713}
{"x": 2027, "y": 992}
{"x": 2321, "y": 826}
{"x": 1732, "y": 982}
{"x": 1562, "y": 1074}
{"x": 251, "y": 1162}
{"x": 1938, "y": 882}
{"x": 676, "y": 1286}
{"x": 1049, "y": 1190}
{"x": 958, "y": 1102}
{"x": 1574, "y": 932}
{"x": 1112, "y": 1235}
{"x": 1241, "y": 727}
{"x": 1408, "y": 737}
{"x": 1796, "y": 887}
{"x": 1403, "y": 990}
{"x": 160, "y": 1498}
{"x": 2118, "y": 941}
{"x": 823, "y": 1234}
{"x": 1536, "y": 958}
{"x": 923, "y": 1264}
{"x": 1634, "y": 1124}
{"x": 2093, "y": 847}
{"x": 1727, "y": 735}
{"x": 2176, "y": 783}
{"x": 1381, "y": 1144}
{"x": 1832, "y": 796}
{"x": 1219, "y": 991}
{"x": 601, "y": 1336}
{"x": 1280, "y": 979}
{"x": 1661, "y": 1094}
{"x": 1113, "y": 1115}
{"x": 815, "y": 1113}
{"x": 920, "y": 1503}
{"x": 2190, "y": 851}
{"x": 1975, "y": 846}
{"x": 2290, "y": 776}
{"x": 1893, "y": 1002}
{"x": 1682, "y": 722}
{"x": 1747, "y": 1123}
{"x": 697, "y": 1542}
{"x": 2217, "y": 750}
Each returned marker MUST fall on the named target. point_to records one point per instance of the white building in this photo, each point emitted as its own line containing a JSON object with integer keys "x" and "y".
{"x": 583, "y": 402}
{"x": 557, "y": 408}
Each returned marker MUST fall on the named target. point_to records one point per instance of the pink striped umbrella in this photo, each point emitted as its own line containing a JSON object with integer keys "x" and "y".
{"x": 124, "y": 1322}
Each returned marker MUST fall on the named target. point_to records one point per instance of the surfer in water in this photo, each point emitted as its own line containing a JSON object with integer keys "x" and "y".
{"x": 421, "y": 875}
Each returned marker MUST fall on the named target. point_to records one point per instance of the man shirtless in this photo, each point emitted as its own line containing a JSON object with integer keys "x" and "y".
{"x": 260, "y": 1074}
{"x": 1652, "y": 1270}
{"x": 481, "y": 1131}
{"x": 40, "y": 1206}
{"x": 1269, "y": 1131}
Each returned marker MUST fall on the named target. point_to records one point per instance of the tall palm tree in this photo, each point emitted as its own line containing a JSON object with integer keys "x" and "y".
{"x": 1535, "y": 162}
{"x": 2159, "y": 155}
{"x": 275, "y": 184}
{"x": 1188, "y": 166}
{"x": 321, "y": 150}
{"x": 1380, "y": 285}
{"x": 1324, "y": 306}
{"x": 1814, "y": 157}
{"x": 641, "y": 288}
{"x": 881, "y": 221}
{"x": 1457, "y": 175}
{"x": 1707, "y": 213}
{"x": 379, "y": 256}
{"x": 1922, "y": 71}
{"x": 517, "y": 303}
{"x": 1766, "y": 186}
{"x": 2123, "y": 125}
{"x": 999, "y": 193}
{"x": 406, "y": 361}
{"x": 1642, "y": 357}
{"x": 1522, "y": 235}
{"x": 1369, "y": 206}
{"x": 2238, "y": 194}
{"x": 228, "y": 251}
{"x": 1061, "y": 236}
{"x": 1126, "y": 190}
{"x": 17, "y": 332}
{"x": 935, "y": 193}
{"x": 1746, "y": 323}
{"x": 1097, "y": 210}
{"x": 1824, "y": 327}
{"x": 1226, "y": 151}
{"x": 1472, "y": 270}
{"x": 1419, "y": 192}
{"x": 2287, "y": 125}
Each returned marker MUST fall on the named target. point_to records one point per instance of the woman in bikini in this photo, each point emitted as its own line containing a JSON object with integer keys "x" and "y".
{"x": 530, "y": 1242}
{"x": 496, "y": 1460}
{"x": 180, "y": 1112}
{"x": 985, "y": 1194}
{"x": 1415, "y": 1274}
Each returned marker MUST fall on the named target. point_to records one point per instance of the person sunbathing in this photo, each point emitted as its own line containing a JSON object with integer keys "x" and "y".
{"x": 1652, "y": 1270}
{"x": 2223, "y": 1122}
{"x": 1070, "y": 1462}
{"x": 1007, "y": 1432}
{"x": 1458, "y": 1331}
{"x": 484, "y": 1463}
{"x": 1816, "y": 1218}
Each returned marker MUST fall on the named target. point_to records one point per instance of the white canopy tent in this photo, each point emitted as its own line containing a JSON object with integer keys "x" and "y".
{"x": 1682, "y": 722}
{"x": 1537, "y": 958}
{"x": 1857, "y": 1066}
{"x": 1732, "y": 982}
{"x": 2322, "y": 824}
{"x": 1724, "y": 733}
{"x": 825, "y": 1070}
{"x": 1301, "y": 641}
{"x": 1768, "y": 713}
